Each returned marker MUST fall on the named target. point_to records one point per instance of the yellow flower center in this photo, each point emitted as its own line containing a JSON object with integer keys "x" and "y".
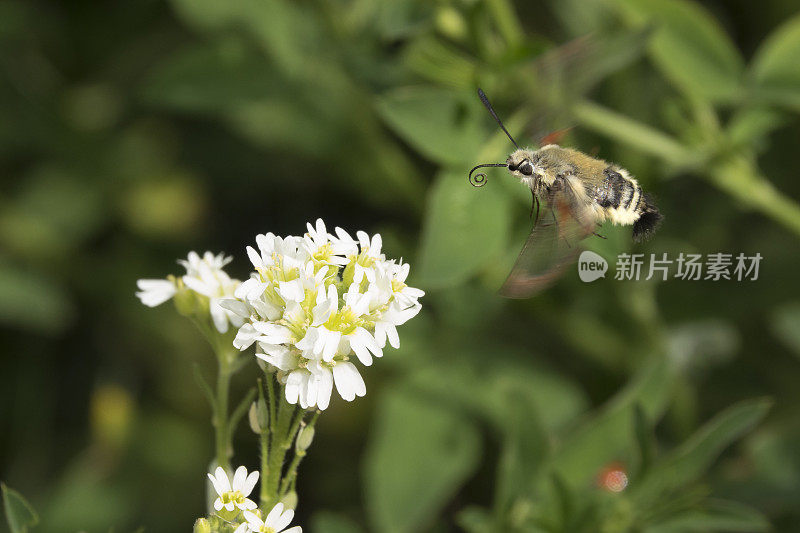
{"x": 235, "y": 497}
{"x": 323, "y": 253}
{"x": 344, "y": 321}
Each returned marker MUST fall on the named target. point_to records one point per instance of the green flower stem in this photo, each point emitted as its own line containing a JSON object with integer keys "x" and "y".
{"x": 238, "y": 413}
{"x": 221, "y": 411}
{"x": 226, "y": 359}
{"x": 277, "y": 452}
{"x": 263, "y": 438}
{"x": 291, "y": 474}
{"x": 271, "y": 401}
{"x": 740, "y": 178}
{"x": 507, "y": 21}
{"x": 633, "y": 133}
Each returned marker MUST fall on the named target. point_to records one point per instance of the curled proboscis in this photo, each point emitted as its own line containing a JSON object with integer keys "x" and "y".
{"x": 479, "y": 179}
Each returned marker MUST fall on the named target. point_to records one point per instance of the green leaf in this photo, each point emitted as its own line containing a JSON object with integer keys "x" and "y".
{"x": 786, "y": 326}
{"x": 475, "y": 519}
{"x": 630, "y": 132}
{"x": 206, "y": 388}
{"x": 32, "y": 302}
{"x": 525, "y": 448}
{"x": 241, "y": 409}
{"x": 645, "y": 439}
{"x": 441, "y": 63}
{"x": 440, "y": 124}
{"x": 689, "y": 47}
{"x": 716, "y": 516}
{"x": 211, "y": 78}
{"x": 464, "y": 229}
{"x": 207, "y": 15}
{"x": 418, "y": 455}
{"x": 607, "y": 436}
{"x": 330, "y": 522}
{"x": 19, "y": 513}
{"x": 484, "y": 392}
{"x": 689, "y": 461}
{"x": 750, "y": 125}
{"x": 774, "y": 67}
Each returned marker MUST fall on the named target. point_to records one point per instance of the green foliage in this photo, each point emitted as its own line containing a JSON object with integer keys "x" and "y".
{"x": 19, "y": 513}
{"x": 774, "y": 69}
{"x": 464, "y": 231}
{"x": 328, "y": 522}
{"x": 410, "y": 475}
{"x": 690, "y": 47}
{"x": 133, "y": 135}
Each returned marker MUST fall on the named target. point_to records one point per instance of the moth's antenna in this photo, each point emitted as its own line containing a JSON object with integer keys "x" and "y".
{"x": 491, "y": 111}
{"x": 479, "y": 179}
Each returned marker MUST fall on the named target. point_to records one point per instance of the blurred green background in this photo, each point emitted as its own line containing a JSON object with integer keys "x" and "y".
{"x": 133, "y": 132}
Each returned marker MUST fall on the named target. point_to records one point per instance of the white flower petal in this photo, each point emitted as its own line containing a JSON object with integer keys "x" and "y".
{"x": 284, "y": 520}
{"x": 238, "y": 478}
{"x": 274, "y": 515}
{"x": 361, "y": 351}
{"x": 293, "y": 384}
{"x": 218, "y": 315}
{"x": 222, "y": 480}
{"x": 246, "y": 336}
{"x": 349, "y": 382}
{"x": 250, "y": 482}
{"x": 155, "y": 292}
{"x": 236, "y": 307}
{"x": 391, "y": 333}
{"x": 253, "y": 519}
{"x": 247, "y": 505}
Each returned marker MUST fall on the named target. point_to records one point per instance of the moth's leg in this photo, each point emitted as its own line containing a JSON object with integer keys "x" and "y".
{"x": 533, "y": 204}
{"x": 598, "y": 235}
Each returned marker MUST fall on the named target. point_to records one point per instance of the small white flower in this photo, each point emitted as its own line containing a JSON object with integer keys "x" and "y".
{"x": 310, "y": 386}
{"x": 205, "y": 276}
{"x": 370, "y": 253}
{"x": 349, "y": 382}
{"x": 276, "y": 521}
{"x": 324, "y": 248}
{"x": 234, "y": 495}
{"x": 155, "y": 292}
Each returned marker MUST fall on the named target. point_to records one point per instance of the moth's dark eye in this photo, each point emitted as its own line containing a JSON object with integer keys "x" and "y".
{"x": 526, "y": 168}
{"x": 512, "y": 167}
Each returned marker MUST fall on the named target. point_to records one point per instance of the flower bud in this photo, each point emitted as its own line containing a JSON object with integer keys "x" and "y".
{"x": 202, "y": 526}
{"x": 185, "y": 300}
{"x": 451, "y": 23}
{"x": 304, "y": 439}
{"x": 258, "y": 416}
{"x": 290, "y": 500}
{"x": 252, "y": 418}
{"x": 262, "y": 414}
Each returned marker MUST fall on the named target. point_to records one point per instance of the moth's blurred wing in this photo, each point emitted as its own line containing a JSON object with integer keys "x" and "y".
{"x": 564, "y": 75}
{"x": 552, "y": 245}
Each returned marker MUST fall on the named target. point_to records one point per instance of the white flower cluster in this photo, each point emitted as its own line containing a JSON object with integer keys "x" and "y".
{"x": 315, "y": 301}
{"x": 205, "y": 276}
{"x": 233, "y": 496}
